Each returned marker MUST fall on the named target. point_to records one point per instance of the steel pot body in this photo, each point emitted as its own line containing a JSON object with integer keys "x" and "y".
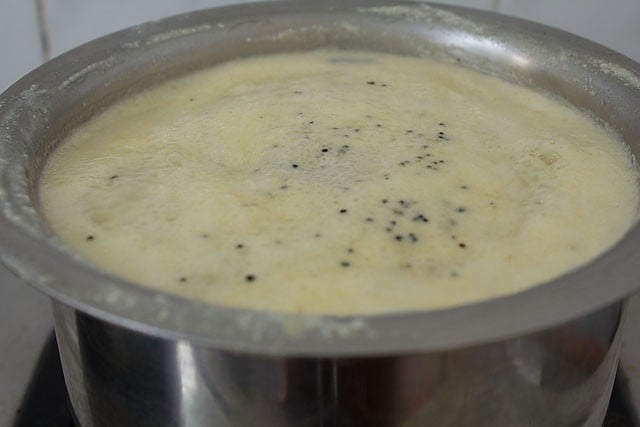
{"x": 559, "y": 377}
{"x": 132, "y": 356}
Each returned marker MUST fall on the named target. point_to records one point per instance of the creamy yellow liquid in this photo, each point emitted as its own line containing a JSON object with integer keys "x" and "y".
{"x": 340, "y": 182}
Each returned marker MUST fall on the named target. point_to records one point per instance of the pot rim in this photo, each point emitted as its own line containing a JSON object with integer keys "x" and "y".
{"x": 34, "y": 107}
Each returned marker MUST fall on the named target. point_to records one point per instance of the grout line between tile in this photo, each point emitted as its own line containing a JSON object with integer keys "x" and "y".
{"x": 43, "y": 29}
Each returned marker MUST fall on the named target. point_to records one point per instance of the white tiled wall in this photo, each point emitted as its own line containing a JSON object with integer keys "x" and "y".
{"x": 19, "y": 40}
{"x": 68, "y": 23}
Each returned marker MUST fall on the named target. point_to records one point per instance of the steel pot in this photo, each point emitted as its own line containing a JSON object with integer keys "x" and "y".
{"x": 135, "y": 357}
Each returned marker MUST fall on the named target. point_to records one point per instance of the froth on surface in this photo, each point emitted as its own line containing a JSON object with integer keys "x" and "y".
{"x": 340, "y": 182}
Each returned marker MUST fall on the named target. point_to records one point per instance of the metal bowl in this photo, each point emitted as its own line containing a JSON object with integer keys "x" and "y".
{"x": 134, "y": 356}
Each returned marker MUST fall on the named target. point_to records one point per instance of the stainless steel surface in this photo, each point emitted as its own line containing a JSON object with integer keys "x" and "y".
{"x": 489, "y": 363}
{"x": 560, "y": 377}
{"x": 39, "y": 109}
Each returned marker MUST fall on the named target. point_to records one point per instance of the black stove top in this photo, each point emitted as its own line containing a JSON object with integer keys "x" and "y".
{"x": 46, "y": 403}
